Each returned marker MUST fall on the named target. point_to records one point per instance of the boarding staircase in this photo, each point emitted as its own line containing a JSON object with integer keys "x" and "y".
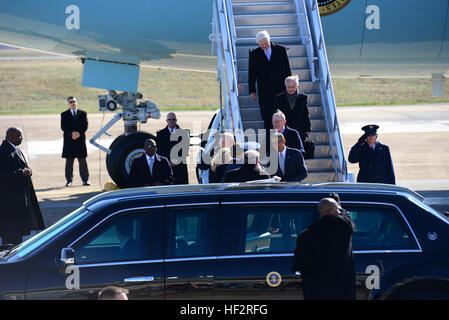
{"x": 295, "y": 24}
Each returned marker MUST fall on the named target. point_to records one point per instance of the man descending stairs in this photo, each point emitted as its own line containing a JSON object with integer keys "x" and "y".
{"x": 279, "y": 19}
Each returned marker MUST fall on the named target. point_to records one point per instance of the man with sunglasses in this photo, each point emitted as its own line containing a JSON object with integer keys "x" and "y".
{"x": 170, "y": 137}
{"x": 74, "y": 125}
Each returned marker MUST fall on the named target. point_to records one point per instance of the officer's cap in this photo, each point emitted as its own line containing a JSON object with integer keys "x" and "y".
{"x": 370, "y": 129}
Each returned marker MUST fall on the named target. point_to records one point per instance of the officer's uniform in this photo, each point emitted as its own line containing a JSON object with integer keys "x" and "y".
{"x": 375, "y": 163}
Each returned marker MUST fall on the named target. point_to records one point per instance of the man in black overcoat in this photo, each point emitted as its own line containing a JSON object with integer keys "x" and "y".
{"x": 19, "y": 208}
{"x": 324, "y": 255}
{"x": 268, "y": 66}
{"x": 165, "y": 146}
{"x": 294, "y": 106}
{"x": 374, "y": 158}
{"x": 150, "y": 169}
{"x": 249, "y": 171}
{"x": 291, "y": 166}
{"x": 74, "y": 125}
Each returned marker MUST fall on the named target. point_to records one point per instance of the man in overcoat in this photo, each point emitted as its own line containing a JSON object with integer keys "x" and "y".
{"x": 181, "y": 141}
{"x": 268, "y": 66}
{"x": 74, "y": 125}
{"x": 324, "y": 255}
{"x": 19, "y": 208}
{"x": 374, "y": 158}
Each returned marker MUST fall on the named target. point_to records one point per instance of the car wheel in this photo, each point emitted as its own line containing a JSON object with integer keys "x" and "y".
{"x": 124, "y": 149}
{"x": 428, "y": 294}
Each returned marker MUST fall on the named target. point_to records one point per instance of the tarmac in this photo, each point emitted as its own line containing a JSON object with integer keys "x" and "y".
{"x": 417, "y": 135}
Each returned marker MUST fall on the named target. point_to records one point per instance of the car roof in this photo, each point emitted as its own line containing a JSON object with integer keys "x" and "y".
{"x": 223, "y": 188}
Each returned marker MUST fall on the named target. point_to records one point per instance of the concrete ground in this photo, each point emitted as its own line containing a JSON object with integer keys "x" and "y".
{"x": 417, "y": 136}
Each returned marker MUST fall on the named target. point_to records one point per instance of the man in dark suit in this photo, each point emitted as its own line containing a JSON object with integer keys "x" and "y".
{"x": 129, "y": 247}
{"x": 294, "y": 106}
{"x": 292, "y": 137}
{"x": 150, "y": 169}
{"x": 291, "y": 166}
{"x": 19, "y": 208}
{"x": 324, "y": 255}
{"x": 74, "y": 125}
{"x": 373, "y": 157}
{"x": 249, "y": 171}
{"x": 180, "y": 140}
{"x": 268, "y": 65}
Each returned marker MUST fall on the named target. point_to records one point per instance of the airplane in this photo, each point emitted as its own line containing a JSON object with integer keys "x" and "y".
{"x": 113, "y": 39}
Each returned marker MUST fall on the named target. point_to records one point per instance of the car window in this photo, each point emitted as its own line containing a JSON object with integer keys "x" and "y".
{"x": 273, "y": 229}
{"x": 123, "y": 238}
{"x": 191, "y": 232}
{"x": 379, "y": 228}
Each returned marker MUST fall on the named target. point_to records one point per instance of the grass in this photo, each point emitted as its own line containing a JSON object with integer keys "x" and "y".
{"x": 41, "y": 86}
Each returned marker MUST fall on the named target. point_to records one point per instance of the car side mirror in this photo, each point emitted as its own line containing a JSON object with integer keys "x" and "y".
{"x": 67, "y": 257}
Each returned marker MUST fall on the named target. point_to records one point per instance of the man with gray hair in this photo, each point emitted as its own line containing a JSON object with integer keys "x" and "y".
{"x": 268, "y": 66}
{"x": 251, "y": 170}
{"x": 324, "y": 255}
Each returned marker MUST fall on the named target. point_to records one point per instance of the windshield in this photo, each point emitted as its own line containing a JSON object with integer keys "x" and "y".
{"x": 46, "y": 235}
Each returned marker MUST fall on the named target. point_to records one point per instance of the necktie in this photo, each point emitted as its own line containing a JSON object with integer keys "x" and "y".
{"x": 74, "y": 114}
{"x": 150, "y": 164}
{"x": 21, "y": 155}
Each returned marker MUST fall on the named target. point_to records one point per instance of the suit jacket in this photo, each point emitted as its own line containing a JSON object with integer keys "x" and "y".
{"x": 269, "y": 75}
{"x": 298, "y": 116}
{"x": 247, "y": 172}
{"x": 375, "y": 166}
{"x": 324, "y": 256}
{"x": 74, "y": 148}
{"x": 295, "y": 168}
{"x": 19, "y": 208}
{"x": 140, "y": 174}
{"x": 293, "y": 139}
{"x": 164, "y": 147}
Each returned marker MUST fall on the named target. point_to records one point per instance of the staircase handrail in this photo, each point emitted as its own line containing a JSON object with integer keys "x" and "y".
{"x": 327, "y": 93}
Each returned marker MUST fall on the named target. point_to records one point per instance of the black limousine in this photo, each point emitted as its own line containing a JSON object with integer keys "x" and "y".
{"x": 217, "y": 242}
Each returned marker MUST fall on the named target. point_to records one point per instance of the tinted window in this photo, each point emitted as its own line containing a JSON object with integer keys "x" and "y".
{"x": 122, "y": 238}
{"x": 378, "y": 228}
{"x": 273, "y": 229}
{"x": 191, "y": 232}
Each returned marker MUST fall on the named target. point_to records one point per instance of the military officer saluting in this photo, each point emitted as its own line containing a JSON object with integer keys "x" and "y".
{"x": 373, "y": 157}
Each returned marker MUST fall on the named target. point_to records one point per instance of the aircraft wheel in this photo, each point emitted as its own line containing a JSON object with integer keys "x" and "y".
{"x": 124, "y": 149}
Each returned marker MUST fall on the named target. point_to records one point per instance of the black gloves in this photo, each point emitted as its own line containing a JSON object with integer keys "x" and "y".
{"x": 362, "y": 139}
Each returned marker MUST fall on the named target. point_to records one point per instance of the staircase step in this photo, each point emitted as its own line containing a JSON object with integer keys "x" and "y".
{"x": 314, "y": 177}
{"x": 265, "y": 7}
{"x": 274, "y": 31}
{"x": 298, "y": 50}
{"x": 265, "y": 19}
{"x": 283, "y": 40}
{"x": 295, "y": 63}
{"x": 303, "y": 74}
{"x": 260, "y": 1}
{"x": 305, "y": 87}
{"x": 319, "y": 164}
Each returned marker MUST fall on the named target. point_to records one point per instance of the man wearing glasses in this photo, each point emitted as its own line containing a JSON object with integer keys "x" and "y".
{"x": 169, "y": 137}
{"x": 74, "y": 125}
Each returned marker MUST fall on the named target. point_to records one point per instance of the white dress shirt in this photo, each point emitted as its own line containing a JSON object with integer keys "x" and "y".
{"x": 282, "y": 156}
{"x": 150, "y": 161}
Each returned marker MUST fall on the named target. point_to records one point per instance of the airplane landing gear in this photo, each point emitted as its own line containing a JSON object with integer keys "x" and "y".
{"x": 126, "y": 147}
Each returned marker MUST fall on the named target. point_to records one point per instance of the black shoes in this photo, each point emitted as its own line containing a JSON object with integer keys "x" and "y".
{"x": 68, "y": 184}
{"x": 86, "y": 183}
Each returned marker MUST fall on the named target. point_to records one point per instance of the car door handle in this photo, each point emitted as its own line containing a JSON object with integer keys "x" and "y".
{"x": 139, "y": 279}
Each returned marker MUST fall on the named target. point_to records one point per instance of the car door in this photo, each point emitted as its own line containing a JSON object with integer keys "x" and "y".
{"x": 190, "y": 252}
{"x": 124, "y": 249}
{"x": 384, "y": 246}
{"x": 257, "y": 241}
